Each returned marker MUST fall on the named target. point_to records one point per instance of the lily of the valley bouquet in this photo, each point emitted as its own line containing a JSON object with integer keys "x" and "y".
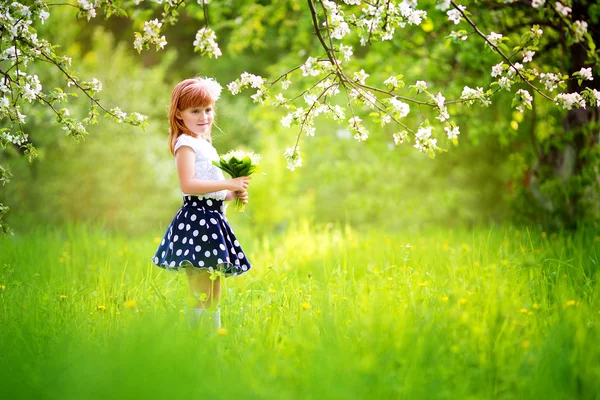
{"x": 238, "y": 163}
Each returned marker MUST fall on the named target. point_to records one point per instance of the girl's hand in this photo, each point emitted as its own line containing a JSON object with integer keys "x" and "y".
{"x": 239, "y": 184}
{"x": 243, "y": 196}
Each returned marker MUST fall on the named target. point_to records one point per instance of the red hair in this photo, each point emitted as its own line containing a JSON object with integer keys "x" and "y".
{"x": 188, "y": 93}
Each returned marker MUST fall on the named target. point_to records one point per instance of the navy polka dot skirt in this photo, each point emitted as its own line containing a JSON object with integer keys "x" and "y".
{"x": 200, "y": 236}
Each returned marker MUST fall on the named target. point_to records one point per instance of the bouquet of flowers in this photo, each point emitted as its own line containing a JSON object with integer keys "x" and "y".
{"x": 238, "y": 163}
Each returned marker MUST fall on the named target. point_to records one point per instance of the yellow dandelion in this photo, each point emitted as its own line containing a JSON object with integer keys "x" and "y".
{"x": 445, "y": 299}
{"x": 463, "y": 301}
{"x": 535, "y": 306}
{"x": 222, "y": 331}
{"x": 445, "y": 246}
{"x": 130, "y": 303}
{"x": 423, "y": 284}
{"x": 530, "y": 313}
{"x": 299, "y": 291}
{"x": 118, "y": 313}
{"x": 101, "y": 308}
{"x": 524, "y": 311}
{"x": 272, "y": 290}
{"x": 157, "y": 240}
{"x": 181, "y": 311}
{"x": 544, "y": 235}
{"x": 62, "y": 297}
{"x": 2, "y": 287}
{"x": 571, "y": 303}
{"x": 525, "y": 344}
{"x": 305, "y": 305}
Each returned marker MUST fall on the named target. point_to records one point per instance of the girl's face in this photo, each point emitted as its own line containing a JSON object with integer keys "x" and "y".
{"x": 198, "y": 120}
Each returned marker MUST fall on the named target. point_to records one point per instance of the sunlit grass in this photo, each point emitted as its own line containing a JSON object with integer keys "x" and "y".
{"x": 326, "y": 312}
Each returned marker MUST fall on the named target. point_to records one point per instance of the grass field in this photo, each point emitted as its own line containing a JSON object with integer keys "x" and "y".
{"x": 327, "y": 312}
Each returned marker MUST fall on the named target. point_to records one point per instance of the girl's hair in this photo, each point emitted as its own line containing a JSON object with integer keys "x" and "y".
{"x": 194, "y": 92}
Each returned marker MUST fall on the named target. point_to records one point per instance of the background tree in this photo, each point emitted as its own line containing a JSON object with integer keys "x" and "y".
{"x": 349, "y": 61}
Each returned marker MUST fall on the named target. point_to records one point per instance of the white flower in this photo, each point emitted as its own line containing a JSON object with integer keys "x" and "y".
{"x": 285, "y": 83}
{"x": 287, "y": 120}
{"x": 391, "y": 82}
{"x": 346, "y": 52}
{"x": 514, "y": 69}
{"x": 44, "y": 16}
{"x": 497, "y": 69}
{"x": 310, "y": 67}
{"x": 526, "y": 99}
{"x": 292, "y": 156}
{"x": 444, "y": 115}
{"x": 586, "y": 73}
{"x": 580, "y": 28}
{"x": 452, "y": 132}
{"x": 421, "y": 86}
{"x": 206, "y": 42}
{"x": 400, "y": 137}
{"x": 493, "y": 38}
{"x": 550, "y": 81}
{"x": 569, "y": 100}
{"x": 538, "y": 3}
{"x": 564, "y": 10}
{"x": 455, "y": 15}
{"x": 400, "y": 107}
{"x": 443, "y": 5}
{"x": 596, "y": 99}
{"x": 537, "y": 32}
{"x": 504, "y": 82}
{"x": 360, "y": 76}
{"x": 528, "y": 56}
{"x": 95, "y": 85}
{"x": 440, "y": 100}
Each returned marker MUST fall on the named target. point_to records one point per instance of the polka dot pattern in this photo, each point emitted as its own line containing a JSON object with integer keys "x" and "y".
{"x": 219, "y": 249}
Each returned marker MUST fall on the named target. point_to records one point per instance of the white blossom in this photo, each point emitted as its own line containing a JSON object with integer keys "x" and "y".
{"x": 346, "y": 52}
{"x": 580, "y": 28}
{"x": 206, "y": 42}
{"x": 528, "y": 56}
{"x": 494, "y": 38}
{"x": 452, "y": 132}
{"x": 538, "y": 3}
{"x": 292, "y": 156}
{"x": 400, "y": 107}
{"x": 497, "y": 69}
{"x": 400, "y": 137}
{"x": 455, "y": 15}
{"x": 525, "y": 98}
{"x": 44, "y": 16}
{"x": 564, "y": 10}
{"x": 586, "y": 73}
{"x": 360, "y": 76}
{"x": 550, "y": 80}
{"x": 569, "y": 100}
{"x": 421, "y": 86}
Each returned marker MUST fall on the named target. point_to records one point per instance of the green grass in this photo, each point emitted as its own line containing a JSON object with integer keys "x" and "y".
{"x": 326, "y": 312}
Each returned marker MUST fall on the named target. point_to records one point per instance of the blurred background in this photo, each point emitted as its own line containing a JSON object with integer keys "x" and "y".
{"x": 125, "y": 179}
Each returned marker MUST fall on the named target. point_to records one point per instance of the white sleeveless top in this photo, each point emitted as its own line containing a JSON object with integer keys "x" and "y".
{"x": 204, "y": 168}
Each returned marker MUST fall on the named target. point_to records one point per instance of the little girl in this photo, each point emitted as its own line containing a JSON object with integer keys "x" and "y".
{"x": 199, "y": 238}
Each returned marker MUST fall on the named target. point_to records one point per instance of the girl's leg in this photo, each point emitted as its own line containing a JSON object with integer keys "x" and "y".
{"x": 205, "y": 291}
